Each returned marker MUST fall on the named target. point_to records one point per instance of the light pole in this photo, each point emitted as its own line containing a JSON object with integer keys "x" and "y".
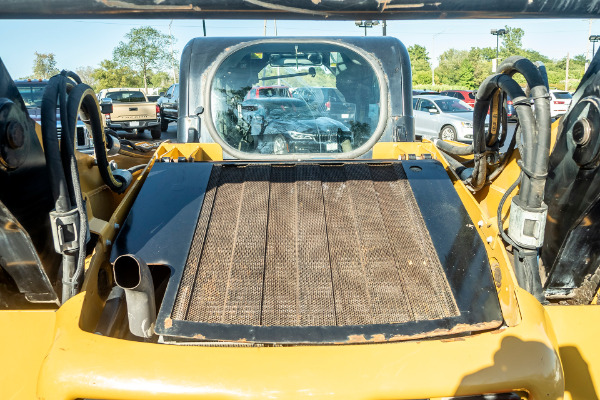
{"x": 594, "y": 39}
{"x": 497, "y": 33}
{"x": 366, "y": 24}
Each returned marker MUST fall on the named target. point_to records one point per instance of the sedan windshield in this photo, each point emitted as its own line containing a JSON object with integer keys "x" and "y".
{"x": 452, "y": 105}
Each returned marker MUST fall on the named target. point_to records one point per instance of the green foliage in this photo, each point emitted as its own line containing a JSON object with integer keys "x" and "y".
{"x": 421, "y": 77}
{"x": 512, "y": 42}
{"x": 450, "y": 63}
{"x": 419, "y": 64}
{"x": 44, "y": 66}
{"x": 481, "y": 61}
{"x": 161, "y": 80}
{"x": 466, "y": 74}
{"x": 146, "y": 48}
{"x": 111, "y": 75}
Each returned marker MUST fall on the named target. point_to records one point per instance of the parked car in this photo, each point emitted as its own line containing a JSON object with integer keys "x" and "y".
{"x": 280, "y": 125}
{"x": 511, "y": 113}
{"x": 443, "y": 117}
{"x": 417, "y": 92}
{"x": 559, "y": 102}
{"x": 168, "y": 104}
{"x": 131, "y": 111}
{"x": 268, "y": 91}
{"x": 468, "y": 96}
{"x": 31, "y": 91}
{"x": 328, "y": 101}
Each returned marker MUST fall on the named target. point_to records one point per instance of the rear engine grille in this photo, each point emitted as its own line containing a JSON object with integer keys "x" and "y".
{"x": 312, "y": 245}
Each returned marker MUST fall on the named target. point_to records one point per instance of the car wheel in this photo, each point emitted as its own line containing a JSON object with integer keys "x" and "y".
{"x": 448, "y": 133}
{"x": 155, "y": 132}
{"x": 164, "y": 124}
{"x": 280, "y": 145}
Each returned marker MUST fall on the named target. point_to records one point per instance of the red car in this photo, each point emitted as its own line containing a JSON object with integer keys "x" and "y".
{"x": 268, "y": 91}
{"x": 468, "y": 96}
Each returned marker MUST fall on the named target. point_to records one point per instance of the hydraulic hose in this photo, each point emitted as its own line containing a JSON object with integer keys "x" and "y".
{"x": 84, "y": 98}
{"x": 532, "y": 138}
{"x": 536, "y": 167}
{"x": 64, "y": 176}
{"x": 61, "y": 191}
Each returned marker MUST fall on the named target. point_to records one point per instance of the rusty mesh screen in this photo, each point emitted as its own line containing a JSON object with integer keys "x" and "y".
{"x": 312, "y": 245}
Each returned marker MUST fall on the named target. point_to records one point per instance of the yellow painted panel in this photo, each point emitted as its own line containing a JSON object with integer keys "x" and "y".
{"x": 25, "y": 339}
{"x": 82, "y": 364}
{"x": 577, "y": 335}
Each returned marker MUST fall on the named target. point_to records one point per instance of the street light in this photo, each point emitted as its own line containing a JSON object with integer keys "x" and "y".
{"x": 366, "y": 24}
{"x": 594, "y": 39}
{"x": 498, "y": 33}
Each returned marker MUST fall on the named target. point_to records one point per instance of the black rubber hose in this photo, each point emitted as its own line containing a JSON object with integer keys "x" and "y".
{"x": 87, "y": 101}
{"x": 532, "y": 190}
{"x": 58, "y": 182}
{"x": 453, "y": 149}
{"x": 72, "y": 75}
{"x": 67, "y": 146}
{"x": 542, "y": 68}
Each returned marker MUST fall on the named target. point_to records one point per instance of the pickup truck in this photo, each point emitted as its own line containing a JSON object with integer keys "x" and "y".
{"x": 32, "y": 91}
{"x": 131, "y": 110}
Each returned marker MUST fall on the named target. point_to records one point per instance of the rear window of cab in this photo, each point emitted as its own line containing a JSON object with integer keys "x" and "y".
{"x": 295, "y": 98}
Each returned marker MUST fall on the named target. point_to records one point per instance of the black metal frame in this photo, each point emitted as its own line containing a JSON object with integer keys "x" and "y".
{"x": 350, "y": 10}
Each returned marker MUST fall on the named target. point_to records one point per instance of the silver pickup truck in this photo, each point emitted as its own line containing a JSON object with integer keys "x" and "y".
{"x": 131, "y": 111}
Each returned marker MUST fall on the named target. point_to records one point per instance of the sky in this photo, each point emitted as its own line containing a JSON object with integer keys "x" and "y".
{"x": 81, "y": 43}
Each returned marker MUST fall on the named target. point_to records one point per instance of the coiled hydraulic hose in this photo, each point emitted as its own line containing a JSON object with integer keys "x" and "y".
{"x": 532, "y": 138}
{"x": 62, "y": 166}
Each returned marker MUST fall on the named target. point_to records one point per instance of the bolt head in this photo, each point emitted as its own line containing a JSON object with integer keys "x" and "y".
{"x": 15, "y": 135}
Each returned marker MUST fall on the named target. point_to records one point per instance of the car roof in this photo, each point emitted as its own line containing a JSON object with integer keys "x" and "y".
{"x": 112, "y": 90}
{"x": 457, "y": 91}
{"x": 271, "y": 87}
{"x": 32, "y": 81}
{"x": 433, "y": 97}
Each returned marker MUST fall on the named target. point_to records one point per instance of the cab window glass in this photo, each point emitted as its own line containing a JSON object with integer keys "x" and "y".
{"x": 176, "y": 91}
{"x": 286, "y": 98}
{"x": 426, "y": 105}
{"x": 126, "y": 97}
{"x": 32, "y": 94}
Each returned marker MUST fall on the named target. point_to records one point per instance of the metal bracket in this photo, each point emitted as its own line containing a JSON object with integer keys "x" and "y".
{"x": 65, "y": 230}
{"x": 527, "y": 225}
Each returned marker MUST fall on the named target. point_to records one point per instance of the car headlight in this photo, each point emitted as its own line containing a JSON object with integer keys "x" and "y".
{"x": 467, "y": 124}
{"x": 299, "y": 135}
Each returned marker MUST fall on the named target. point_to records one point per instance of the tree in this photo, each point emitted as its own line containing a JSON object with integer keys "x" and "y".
{"x": 450, "y": 62}
{"x": 110, "y": 75}
{"x": 466, "y": 74}
{"x": 419, "y": 65}
{"x": 161, "y": 80}
{"x": 86, "y": 75}
{"x": 145, "y": 49}
{"x": 481, "y": 61}
{"x": 512, "y": 42}
{"x": 44, "y": 66}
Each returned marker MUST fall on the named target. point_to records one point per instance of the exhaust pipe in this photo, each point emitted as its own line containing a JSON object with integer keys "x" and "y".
{"x": 133, "y": 275}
